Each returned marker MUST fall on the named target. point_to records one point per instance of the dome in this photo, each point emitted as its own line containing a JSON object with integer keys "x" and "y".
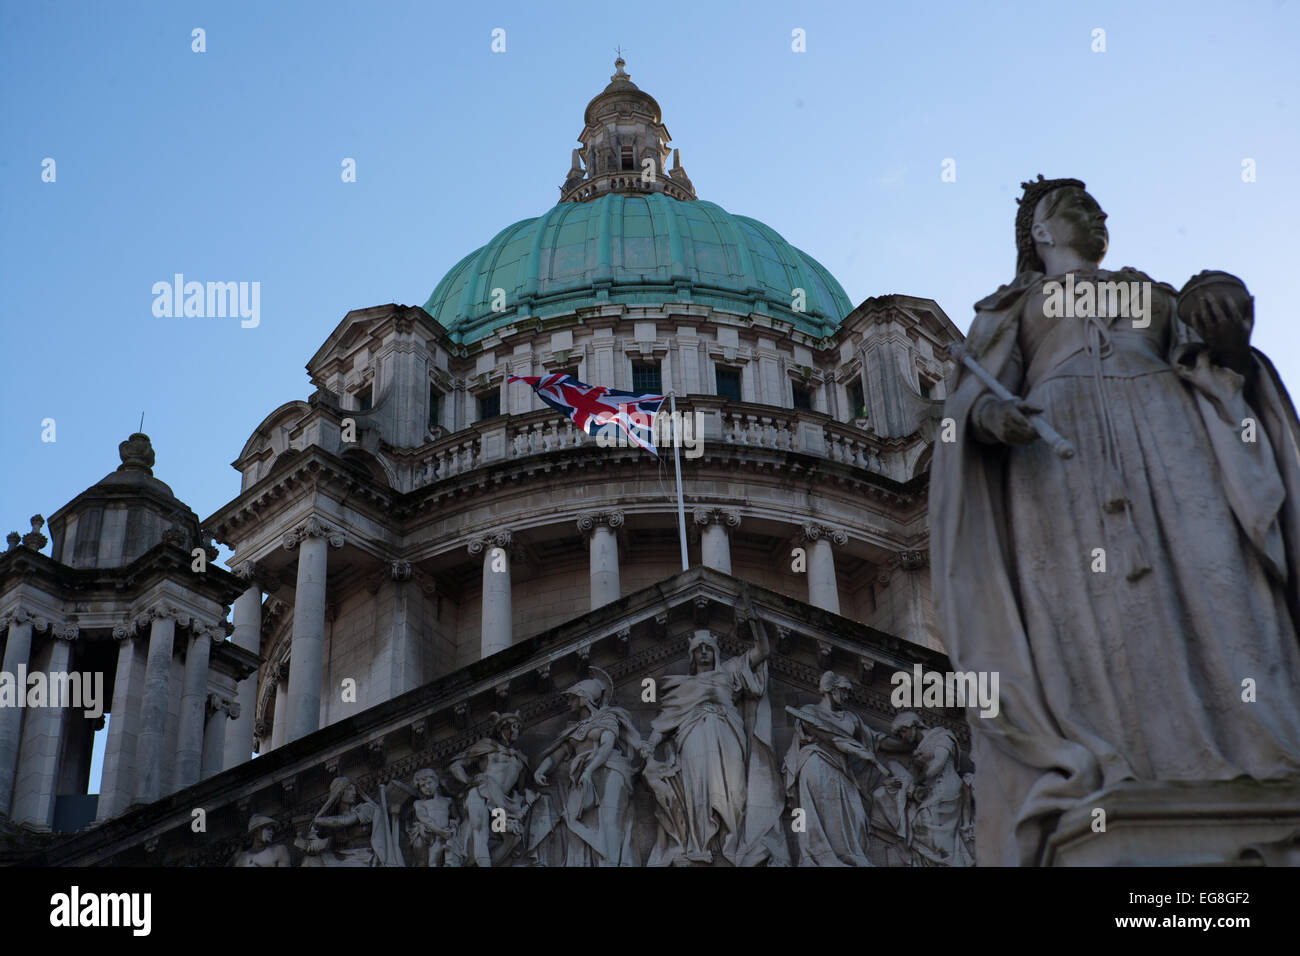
{"x": 636, "y": 250}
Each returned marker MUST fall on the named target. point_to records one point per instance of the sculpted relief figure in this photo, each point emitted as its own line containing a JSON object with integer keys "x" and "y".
{"x": 1138, "y": 599}
{"x": 495, "y": 807}
{"x": 925, "y": 801}
{"x": 264, "y": 850}
{"x": 718, "y": 788}
{"x": 351, "y": 830}
{"x": 830, "y": 754}
{"x": 589, "y": 768}
{"x": 432, "y": 829}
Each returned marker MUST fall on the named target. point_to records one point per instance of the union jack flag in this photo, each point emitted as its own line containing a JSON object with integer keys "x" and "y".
{"x": 595, "y": 406}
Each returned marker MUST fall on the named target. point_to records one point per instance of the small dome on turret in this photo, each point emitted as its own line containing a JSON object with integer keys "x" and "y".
{"x": 123, "y": 515}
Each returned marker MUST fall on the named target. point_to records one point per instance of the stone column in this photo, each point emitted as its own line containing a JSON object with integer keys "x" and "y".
{"x": 313, "y": 539}
{"x": 217, "y": 711}
{"x": 404, "y": 663}
{"x": 18, "y": 652}
{"x": 716, "y": 525}
{"x": 194, "y": 695}
{"x": 498, "y": 621}
{"x": 42, "y": 741}
{"x": 154, "y": 704}
{"x": 117, "y": 786}
{"x": 247, "y": 618}
{"x": 280, "y": 722}
{"x": 601, "y": 529}
{"x": 823, "y": 590}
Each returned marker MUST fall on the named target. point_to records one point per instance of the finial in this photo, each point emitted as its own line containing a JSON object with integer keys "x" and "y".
{"x": 619, "y": 63}
{"x": 34, "y": 539}
{"x": 136, "y": 454}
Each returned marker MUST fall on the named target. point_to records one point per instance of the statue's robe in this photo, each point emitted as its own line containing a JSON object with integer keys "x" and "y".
{"x": 595, "y": 821}
{"x": 372, "y": 841}
{"x": 727, "y": 775}
{"x": 1104, "y": 677}
{"x": 821, "y": 781}
{"x": 934, "y": 824}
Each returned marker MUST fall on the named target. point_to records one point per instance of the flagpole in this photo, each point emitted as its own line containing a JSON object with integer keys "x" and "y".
{"x": 677, "y": 462}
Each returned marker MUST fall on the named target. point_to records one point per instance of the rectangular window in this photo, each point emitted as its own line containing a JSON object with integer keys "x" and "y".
{"x": 627, "y": 158}
{"x": 489, "y": 405}
{"x": 857, "y": 400}
{"x": 646, "y": 379}
{"x": 927, "y": 389}
{"x": 802, "y": 398}
{"x": 435, "y": 407}
{"x": 366, "y": 398}
{"x": 728, "y": 382}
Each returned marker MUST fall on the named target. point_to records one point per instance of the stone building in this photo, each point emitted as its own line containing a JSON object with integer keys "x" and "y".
{"x": 420, "y": 546}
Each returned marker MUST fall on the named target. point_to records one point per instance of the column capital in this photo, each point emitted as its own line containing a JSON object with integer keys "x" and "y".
{"x": 313, "y": 527}
{"x": 160, "y": 612}
{"x": 399, "y": 570}
{"x": 199, "y": 631}
{"x": 913, "y": 559}
{"x": 589, "y": 521}
{"x": 722, "y": 517}
{"x": 254, "y": 573}
{"x": 812, "y": 531}
{"x": 19, "y": 615}
{"x": 65, "y": 631}
{"x": 497, "y": 538}
{"x": 216, "y": 703}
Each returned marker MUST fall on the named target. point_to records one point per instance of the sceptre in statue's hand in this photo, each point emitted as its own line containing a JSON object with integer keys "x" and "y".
{"x": 1030, "y": 414}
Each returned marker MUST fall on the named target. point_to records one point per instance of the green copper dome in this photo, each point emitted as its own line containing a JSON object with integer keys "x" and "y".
{"x": 636, "y": 250}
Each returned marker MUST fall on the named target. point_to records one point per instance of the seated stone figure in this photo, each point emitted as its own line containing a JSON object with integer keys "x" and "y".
{"x": 358, "y": 833}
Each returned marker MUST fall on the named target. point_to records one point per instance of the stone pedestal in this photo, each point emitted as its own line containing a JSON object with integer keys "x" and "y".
{"x": 1212, "y": 823}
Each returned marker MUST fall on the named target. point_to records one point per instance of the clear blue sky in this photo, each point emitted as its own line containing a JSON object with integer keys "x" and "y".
{"x": 225, "y": 166}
